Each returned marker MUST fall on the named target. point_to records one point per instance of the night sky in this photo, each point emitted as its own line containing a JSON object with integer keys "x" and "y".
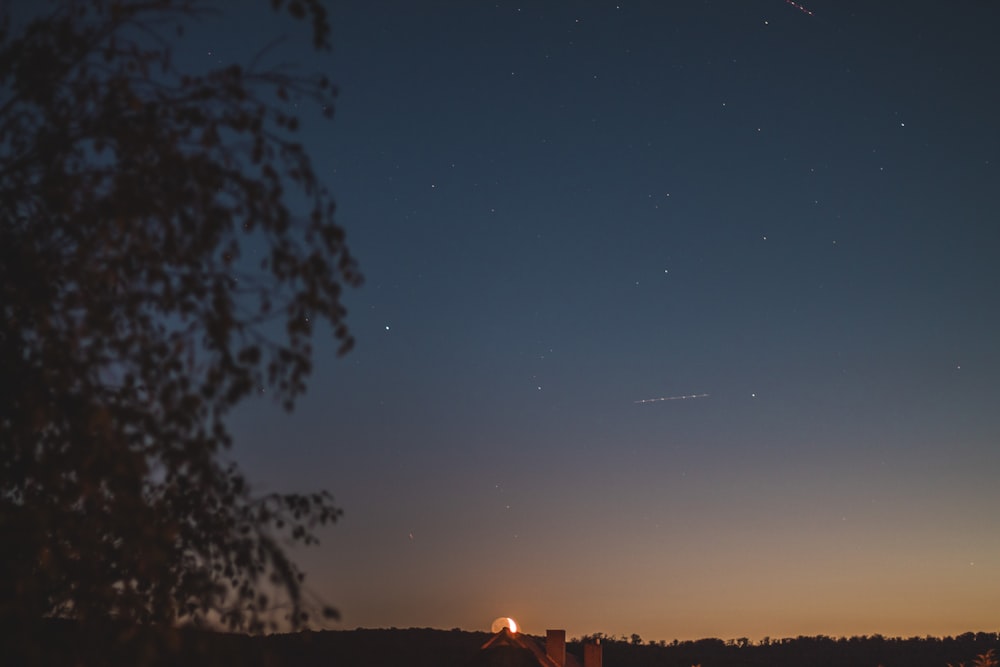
{"x": 784, "y": 217}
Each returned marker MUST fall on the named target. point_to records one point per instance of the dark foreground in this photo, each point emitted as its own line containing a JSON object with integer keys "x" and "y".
{"x": 60, "y": 644}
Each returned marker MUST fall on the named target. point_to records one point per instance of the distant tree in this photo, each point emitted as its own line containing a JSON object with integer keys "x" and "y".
{"x": 635, "y": 639}
{"x": 134, "y": 316}
{"x": 987, "y": 659}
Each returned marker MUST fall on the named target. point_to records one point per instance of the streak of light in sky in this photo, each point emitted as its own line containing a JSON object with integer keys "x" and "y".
{"x": 670, "y": 398}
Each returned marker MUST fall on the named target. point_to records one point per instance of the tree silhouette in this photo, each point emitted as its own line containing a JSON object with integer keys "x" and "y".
{"x": 987, "y": 659}
{"x": 134, "y": 315}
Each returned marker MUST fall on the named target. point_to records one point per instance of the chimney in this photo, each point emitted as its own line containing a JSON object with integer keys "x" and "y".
{"x": 593, "y": 653}
{"x": 555, "y": 646}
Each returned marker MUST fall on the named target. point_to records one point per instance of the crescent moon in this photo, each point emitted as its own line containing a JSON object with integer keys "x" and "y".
{"x": 504, "y": 622}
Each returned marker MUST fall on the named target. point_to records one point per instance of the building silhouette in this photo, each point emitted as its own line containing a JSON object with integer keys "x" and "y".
{"x": 513, "y": 649}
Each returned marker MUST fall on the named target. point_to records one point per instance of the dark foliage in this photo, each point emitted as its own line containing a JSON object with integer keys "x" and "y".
{"x": 134, "y": 315}
{"x": 455, "y": 648}
{"x": 819, "y": 651}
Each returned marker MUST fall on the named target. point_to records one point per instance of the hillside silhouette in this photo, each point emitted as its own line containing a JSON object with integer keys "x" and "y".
{"x": 61, "y": 643}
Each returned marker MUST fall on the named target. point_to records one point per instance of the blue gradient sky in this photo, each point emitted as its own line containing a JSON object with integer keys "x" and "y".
{"x": 563, "y": 208}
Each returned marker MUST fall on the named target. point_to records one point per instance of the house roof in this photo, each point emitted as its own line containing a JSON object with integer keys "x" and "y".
{"x": 513, "y": 649}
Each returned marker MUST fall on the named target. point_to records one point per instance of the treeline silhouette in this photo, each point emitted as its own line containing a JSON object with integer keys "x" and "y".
{"x": 816, "y": 651}
{"x": 61, "y": 643}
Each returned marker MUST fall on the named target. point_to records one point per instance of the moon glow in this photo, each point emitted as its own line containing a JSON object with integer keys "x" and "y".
{"x": 503, "y": 622}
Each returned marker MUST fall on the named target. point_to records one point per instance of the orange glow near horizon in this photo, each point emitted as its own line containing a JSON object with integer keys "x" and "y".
{"x": 503, "y": 622}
